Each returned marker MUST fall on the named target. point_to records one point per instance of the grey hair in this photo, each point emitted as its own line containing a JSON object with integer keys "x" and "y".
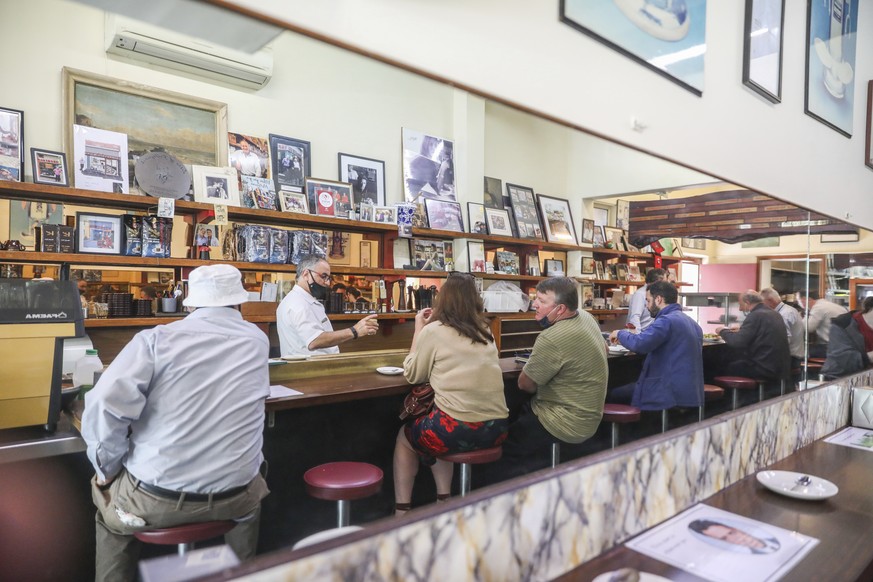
{"x": 770, "y": 294}
{"x": 308, "y": 263}
{"x": 752, "y": 297}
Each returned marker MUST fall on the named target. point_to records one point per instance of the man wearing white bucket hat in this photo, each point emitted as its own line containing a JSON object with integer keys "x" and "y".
{"x": 191, "y": 394}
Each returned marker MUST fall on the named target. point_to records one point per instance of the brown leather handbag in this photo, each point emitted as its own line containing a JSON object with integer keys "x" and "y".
{"x": 418, "y": 402}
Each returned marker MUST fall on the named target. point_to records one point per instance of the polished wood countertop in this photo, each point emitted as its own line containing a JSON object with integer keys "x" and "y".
{"x": 843, "y": 524}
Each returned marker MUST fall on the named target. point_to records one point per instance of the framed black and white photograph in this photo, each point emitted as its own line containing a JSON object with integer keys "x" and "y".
{"x": 554, "y": 268}
{"x": 498, "y": 222}
{"x": 524, "y": 209}
{"x": 599, "y": 239}
{"x": 622, "y": 214}
{"x": 587, "y": 265}
{"x": 587, "y": 231}
{"x": 442, "y": 215}
{"x": 762, "y": 48}
{"x": 667, "y": 37}
{"x": 294, "y": 202}
{"x": 11, "y": 145}
{"x": 557, "y": 219}
{"x": 831, "y": 40}
{"x": 49, "y": 167}
{"x": 329, "y": 198}
{"x": 367, "y": 177}
{"x": 99, "y": 234}
{"x": 216, "y": 185}
{"x": 291, "y": 160}
{"x": 476, "y": 217}
{"x": 476, "y": 255}
{"x": 493, "y": 192}
{"x": 840, "y": 238}
{"x": 428, "y": 166}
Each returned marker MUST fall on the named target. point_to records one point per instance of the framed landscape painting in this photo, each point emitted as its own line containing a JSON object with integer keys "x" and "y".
{"x": 667, "y": 37}
{"x": 191, "y": 129}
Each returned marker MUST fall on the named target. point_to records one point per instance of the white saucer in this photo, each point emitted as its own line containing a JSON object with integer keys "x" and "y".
{"x": 390, "y": 370}
{"x": 294, "y": 357}
{"x": 618, "y": 350}
{"x": 644, "y": 577}
{"x": 785, "y": 483}
{"x": 276, "y": 361}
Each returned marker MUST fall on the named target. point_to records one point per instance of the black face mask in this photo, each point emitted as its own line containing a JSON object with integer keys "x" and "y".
{"x": 317, "y": 290}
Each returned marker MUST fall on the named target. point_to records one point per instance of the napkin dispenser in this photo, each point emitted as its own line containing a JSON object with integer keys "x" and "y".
{"x": 862, "y": 407}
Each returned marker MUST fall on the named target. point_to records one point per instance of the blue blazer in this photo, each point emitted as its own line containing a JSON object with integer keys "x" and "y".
{"x": 672, "y": 374}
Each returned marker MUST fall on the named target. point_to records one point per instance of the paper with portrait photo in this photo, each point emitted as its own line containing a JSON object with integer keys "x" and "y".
{"x": 722, "y": 546}
{"x": 100, "y": 159}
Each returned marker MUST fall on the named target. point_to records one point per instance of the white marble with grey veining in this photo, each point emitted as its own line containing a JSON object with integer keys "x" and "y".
{"x": 542, "y": 530}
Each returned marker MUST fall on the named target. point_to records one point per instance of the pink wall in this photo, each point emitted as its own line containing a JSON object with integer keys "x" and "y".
{"x": 724, "y": 278}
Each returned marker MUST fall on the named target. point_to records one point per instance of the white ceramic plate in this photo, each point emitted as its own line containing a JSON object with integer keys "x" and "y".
{"x": 276, "y": 361}
{"x": 618, "y": 350}
{"x": 294, "y": 357}
{"x": 785, "y": 483}
{"x": 644, "y": 577}
{"x": 390, "y": 370}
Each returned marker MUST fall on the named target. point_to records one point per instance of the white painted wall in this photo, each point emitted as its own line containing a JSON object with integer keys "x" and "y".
{"x": 519, "y": 51}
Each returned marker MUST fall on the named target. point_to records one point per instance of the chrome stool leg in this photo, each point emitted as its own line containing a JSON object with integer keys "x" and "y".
{"x": 556, "y": 454}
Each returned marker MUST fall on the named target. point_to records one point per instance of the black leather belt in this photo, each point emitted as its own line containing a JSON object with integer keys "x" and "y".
{"x": 175, "y": 495}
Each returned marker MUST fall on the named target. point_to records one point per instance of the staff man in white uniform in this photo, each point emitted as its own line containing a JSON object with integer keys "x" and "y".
{"x": 304, "y": 328}
{"x": 174, "y": 427}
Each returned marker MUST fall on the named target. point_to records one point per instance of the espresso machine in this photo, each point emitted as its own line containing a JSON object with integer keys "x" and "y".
{"x": 35, "y": 317}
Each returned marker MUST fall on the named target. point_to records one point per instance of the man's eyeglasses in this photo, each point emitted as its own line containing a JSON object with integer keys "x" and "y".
{"x": 323, "y": 276}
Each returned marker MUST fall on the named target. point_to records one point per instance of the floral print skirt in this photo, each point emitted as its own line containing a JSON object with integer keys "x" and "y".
{"x": 436, "y": 434}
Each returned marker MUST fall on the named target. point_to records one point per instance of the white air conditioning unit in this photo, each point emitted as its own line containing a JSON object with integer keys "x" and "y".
{"x": 136, "y": 40}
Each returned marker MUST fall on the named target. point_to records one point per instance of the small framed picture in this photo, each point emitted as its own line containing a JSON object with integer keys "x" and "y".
{"x": 476, "y": 215}
{"x": 366, "y": 176}
{"x": 498, "y": 222}
{"x": 366, "y": 253}
{"x": 557, "y": 219}
{"x": 366, "y": 214}
{"x": 621, "y": 271}
{"x": 476, "y": 255}
{"x": 533, "y": 264}
{"x": 329, "y": 198}
{"x": 216, "y": 185}
{"x": 12, "y": 145}
{"x": 554, "y": 267}
{"x": 633, "y": 273}
{"x": 599, "y": 271}
{"x": 587, "y": 265}
{"x": 291, "y": 161}
{"x": 49, "y": 167}
{"x": 99, "y": 234}
{"x": 385, "y": 214}
{"x": 293, "y": 202}
{"x": 524, "y": 209}
{"x": 444, "y": 215}
{"x": 587, "y": 231}
{"x": 429, "y": 255}
{"x": 207, "y": 239}
{"x": 614, "y": 235}
{"x": 599, "y": 239}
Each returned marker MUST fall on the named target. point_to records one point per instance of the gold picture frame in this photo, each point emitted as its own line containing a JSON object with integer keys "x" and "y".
{"x": 192, "y": 129}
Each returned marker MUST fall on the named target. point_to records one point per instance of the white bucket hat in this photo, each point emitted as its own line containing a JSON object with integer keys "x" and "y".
{"x": 215, "y": 286}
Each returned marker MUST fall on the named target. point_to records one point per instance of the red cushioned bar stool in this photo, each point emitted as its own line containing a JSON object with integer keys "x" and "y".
{"x": 185, "y": 536}
{"x": 710, "y": 392}
{"x": 619, "y": 414}
{"x": 343, "y": 482}
{"x": 735, "y": 384}
{"x": 469, "y": 458}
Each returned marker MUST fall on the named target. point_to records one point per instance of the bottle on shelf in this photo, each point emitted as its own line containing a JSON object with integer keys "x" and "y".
{"x": 86, "y": 367}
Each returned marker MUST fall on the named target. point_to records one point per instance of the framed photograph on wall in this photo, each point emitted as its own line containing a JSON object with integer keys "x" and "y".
{"x": 444, "y": 215}
{"x": 249, "y": 155}
{"x": 49, "y": 167}
{"x": 216, "y": 185}
{"x": 587, "y": 231}
{"x": 557, "y": 219}
{"x": 667, "y": 37}
{"x": 599, "y": 270}
{"x": 428, "y": 255}
{"x": 293, "y": 202}
{"x": 329, "y": 198}
{"x": 622, "y": 214}
{"x": 599, "y": 239}
{"x": 191, "y": 129}
{"x": 99, "y": 234}
{"x": 476, "y": 216}
{"x": 12, "y": 145}
{"x": 493, "y": 192}
{"x": 367, "y": 177}
{"x": 498, "y": 222}
{"x": 554, "y": 267}
{"x": 524, "y": 209}
{"x": 587, "y": 265}
{"x": 762, "y": 48}
{"x": 291, "y": 160}
{"x": 385, "y": 214}
{"x": 831, "y": 40}
{"x": 614, "y": 235}
{"x": 428, "y": 166}
{"x": 476, "y": 255}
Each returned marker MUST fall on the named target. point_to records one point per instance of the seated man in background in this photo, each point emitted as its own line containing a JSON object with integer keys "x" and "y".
{"x": 672, "y": 375}
{"x": 819, "y": 312}
{"x": 174, "y": 427}
{"x": 793, "y": 323}
{"x": 566, "y": 374}
{"x": 761, "y": 341}
{"x": 850, "y": 346}
{"x": 638, "y": 316}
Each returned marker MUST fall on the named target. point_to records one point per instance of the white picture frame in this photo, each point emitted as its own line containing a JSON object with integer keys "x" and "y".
{"x": 296, "y": 202}
{"x": 216, "y": 185}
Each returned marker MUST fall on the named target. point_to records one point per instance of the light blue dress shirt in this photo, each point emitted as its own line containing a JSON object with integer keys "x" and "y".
{"x": 192, "y": 394}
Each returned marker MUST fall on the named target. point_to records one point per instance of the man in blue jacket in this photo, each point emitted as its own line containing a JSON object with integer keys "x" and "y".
{"x": 672, "y": 374}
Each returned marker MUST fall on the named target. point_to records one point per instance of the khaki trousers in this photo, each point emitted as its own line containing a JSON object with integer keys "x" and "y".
{"x": 117, "y": 549}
